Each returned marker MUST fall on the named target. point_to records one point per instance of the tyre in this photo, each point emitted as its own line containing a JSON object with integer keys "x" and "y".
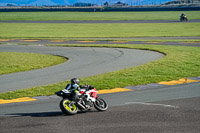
{"x": 68, "y": 107}
{"x": 100, "y": 104}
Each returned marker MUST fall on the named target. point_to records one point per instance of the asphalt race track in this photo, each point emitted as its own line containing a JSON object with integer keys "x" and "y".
{"x": 82, "y": 62}
{"x": 110, "y": 41}
{"x": 173, "y": 109}
{"x": 156, "y": 109}
{"x": 105, "y": 21}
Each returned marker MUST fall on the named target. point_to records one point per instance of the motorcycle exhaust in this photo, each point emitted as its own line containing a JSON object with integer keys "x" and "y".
{"x": 80, "y": 106}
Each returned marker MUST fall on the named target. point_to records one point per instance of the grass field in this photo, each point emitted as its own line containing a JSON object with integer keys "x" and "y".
{"x": 50, "y": 31}
{"x": 33, "y": 16}
{"x": 16, "y": 62}
{"x": 179, "y": 62}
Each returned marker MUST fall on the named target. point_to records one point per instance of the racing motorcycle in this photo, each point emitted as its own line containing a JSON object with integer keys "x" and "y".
{"x": 183, "y": 18}
{"x": 88, "y": 99}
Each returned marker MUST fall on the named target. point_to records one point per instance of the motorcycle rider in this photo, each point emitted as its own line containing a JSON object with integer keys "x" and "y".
{"x": 85, "y": 100}
{"x": 75, "y": 87}
{"x": 183, "y": 16}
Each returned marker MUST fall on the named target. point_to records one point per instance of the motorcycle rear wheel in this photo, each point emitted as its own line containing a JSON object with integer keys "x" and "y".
{"x": 100, "y": 104}
{"x": 68, "y": 107}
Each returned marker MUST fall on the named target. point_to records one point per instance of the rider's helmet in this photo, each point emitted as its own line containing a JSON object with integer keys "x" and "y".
{"x": 75, "y": 82}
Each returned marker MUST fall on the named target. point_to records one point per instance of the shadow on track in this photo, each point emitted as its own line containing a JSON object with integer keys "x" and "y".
{"x": 47, "y": 114}
{"x": 39, "y": 114}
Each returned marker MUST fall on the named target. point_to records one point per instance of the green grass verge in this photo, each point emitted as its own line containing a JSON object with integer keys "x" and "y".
{"x": 48, "y": 16}
{"x": 17, "y": 62}
{"x": 130, "y": 39}
{"x": 179, "y": 62}
{"x": 49, "y": 30}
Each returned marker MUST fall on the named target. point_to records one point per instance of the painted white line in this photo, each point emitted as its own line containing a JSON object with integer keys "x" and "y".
{"x": 153, "y": 104}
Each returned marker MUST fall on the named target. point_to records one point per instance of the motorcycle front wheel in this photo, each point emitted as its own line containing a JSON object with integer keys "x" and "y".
{"x": 100, "y": 104}
{"x": 68, "y": 107}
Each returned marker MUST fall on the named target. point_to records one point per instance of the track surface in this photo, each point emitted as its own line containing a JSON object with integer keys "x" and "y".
{"x": 105, "y": 21}
{"x": 166, "y": 109}
{"x": 106, "y": 41}
{"x": 82, "y": 62}
{"x": 158, "y": 109}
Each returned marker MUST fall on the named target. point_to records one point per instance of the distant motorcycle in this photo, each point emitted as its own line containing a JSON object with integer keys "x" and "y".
{"x": 88, "y": 100}
{"x": 183, "y": 18}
